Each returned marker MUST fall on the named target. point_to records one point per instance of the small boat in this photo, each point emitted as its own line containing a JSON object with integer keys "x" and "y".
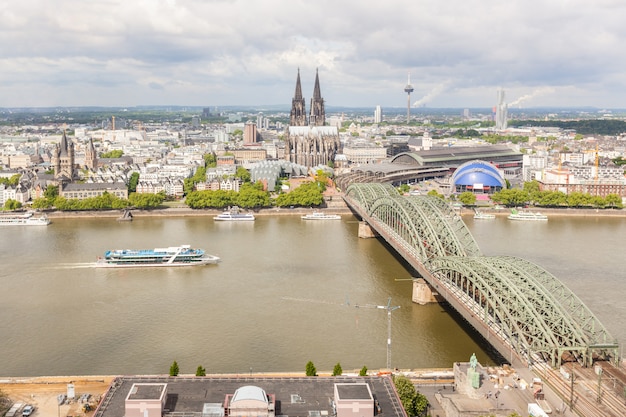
{"x": 182, "y": 255}
{"x": 234, "y": 215}
{"x": 527, "y": 216}
{"x": 24, "y": 219}
{"x": 318, "y": 215}
{"x": 481, "y": 215}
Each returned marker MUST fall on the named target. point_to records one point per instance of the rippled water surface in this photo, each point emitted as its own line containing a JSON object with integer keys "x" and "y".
{"x": 284, "y": 293}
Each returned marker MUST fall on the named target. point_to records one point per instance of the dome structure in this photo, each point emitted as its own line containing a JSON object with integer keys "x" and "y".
{"x": 478, "y": 176}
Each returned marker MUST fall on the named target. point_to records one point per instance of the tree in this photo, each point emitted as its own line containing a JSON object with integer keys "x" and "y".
{"x": 146, "y": 200}
{"x": 613, "y": 200}
{"x": 468, "y": 198}
{"x": 404, "y": 188}
{"x": 132, "y": 182}
{"x": 243, "y": 174}
{"x": 414, "y": 403}
{"x": 112, "y": 154}
{"x": 44, "y": 203}
{"x": 51, "y": 192}
{"x": 310, "y": 369}
{"x": 11, "y": 204}
{"x": 200, "y": 371}
{"x": 337, "y": 371}
{"x": 434, "y": 193}
{"x": 363, "y": 371}
{"x": 174, "y": 369}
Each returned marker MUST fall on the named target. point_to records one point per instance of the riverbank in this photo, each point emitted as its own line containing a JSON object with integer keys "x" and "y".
{"x": 560, "y": 212}
{"x": 189, "y": 212}
{"x": 298, "y": 211}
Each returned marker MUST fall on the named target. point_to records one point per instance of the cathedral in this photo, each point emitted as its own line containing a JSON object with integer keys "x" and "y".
{"x": 310, "y": 142}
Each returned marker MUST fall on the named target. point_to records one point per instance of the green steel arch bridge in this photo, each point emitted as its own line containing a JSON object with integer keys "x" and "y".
{"x": 517, "y": 306}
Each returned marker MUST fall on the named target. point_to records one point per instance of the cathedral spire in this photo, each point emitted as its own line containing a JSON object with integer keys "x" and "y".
{"x": 318, "y": 114}
{"x": 298, "y": 110}
{"x": 298, "y": 95}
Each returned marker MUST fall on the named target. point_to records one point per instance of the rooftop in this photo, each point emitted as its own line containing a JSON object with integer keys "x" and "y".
{"x": 295, "y": 396}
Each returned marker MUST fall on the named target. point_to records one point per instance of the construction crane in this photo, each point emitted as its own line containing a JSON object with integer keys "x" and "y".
{"x": 389, "y": 309}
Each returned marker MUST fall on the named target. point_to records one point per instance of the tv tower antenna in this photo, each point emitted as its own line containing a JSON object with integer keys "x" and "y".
{"x": 389, "y": 309}
{"x": 408, "y": 89}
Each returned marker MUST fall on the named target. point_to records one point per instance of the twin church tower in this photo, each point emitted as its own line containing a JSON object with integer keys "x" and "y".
{"x": 310, "y": 143}
{"x": 298, "y": 109}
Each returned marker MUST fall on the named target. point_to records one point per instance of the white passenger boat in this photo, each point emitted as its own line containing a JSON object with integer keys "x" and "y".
{"x": 527, "y": 216}
{"x": 182, "y": 255}
{"x": 318, "y": 215}
{"x": 234, "y": 215}
{"x": 481, "y": 215}
{"x": 24, "y": 219}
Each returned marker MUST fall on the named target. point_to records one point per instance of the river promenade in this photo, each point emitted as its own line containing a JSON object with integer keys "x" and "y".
{"x": 184, "y": 211}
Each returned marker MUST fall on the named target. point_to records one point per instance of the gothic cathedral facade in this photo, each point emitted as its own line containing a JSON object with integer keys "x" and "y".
{"x": 310, "y": 142}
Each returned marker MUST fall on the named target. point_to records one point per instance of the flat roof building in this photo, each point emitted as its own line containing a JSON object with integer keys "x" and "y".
{"x": 262, "y": 396}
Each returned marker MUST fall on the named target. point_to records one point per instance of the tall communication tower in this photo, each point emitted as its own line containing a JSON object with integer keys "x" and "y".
{"x": 408, "y": 90}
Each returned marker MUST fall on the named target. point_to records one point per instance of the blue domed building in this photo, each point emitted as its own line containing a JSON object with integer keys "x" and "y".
{"x": 479, "y": 177}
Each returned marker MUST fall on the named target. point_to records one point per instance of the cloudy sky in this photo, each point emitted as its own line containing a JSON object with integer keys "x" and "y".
{"x": 247, "y": 52}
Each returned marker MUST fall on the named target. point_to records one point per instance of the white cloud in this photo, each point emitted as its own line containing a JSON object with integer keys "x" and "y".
{"x": 226, "y": 52}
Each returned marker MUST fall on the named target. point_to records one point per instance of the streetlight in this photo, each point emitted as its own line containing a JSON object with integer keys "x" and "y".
{"x": 389, "y": 309}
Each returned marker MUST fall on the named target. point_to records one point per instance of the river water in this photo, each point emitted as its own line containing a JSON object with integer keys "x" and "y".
{"x": 285, "y": 293}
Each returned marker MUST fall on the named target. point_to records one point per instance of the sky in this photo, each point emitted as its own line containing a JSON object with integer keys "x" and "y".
{"x": 125, "y": 53}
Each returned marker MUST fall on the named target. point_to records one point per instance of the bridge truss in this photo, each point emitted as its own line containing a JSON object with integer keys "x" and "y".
{"x": 524, "y": 306}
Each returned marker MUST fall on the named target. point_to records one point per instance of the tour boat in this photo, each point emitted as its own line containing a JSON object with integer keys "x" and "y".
{"x": 182, "y": 255}
{"x": 527, "y": 216}
{"x": 23, "y": 219}
{"x": 318, "y": 215}
{"x": 233, "y": 215}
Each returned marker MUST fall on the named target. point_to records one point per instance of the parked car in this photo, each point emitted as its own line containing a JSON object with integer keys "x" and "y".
{"x": 28, "y": 410}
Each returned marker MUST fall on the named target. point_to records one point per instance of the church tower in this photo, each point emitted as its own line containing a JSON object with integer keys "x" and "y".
{"x": 318, "y": 114}
{"x": 310, "y": 144}
{"x": 63, "y": 160}
{"x": 91, "y": 158}
{"x": 298, "y": 110}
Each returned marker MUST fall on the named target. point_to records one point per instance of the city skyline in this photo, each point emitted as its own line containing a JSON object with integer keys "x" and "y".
{"x": 198, "y": 53}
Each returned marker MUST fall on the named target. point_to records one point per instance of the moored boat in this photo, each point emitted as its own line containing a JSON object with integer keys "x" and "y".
{"x": 481, "y": 215}
{"x": 527, "y": 216}
{"x": 182, "y": 255}
{"x": 24, "y": 219}
{"x": 234, "y": 215}
{"x": 318, "y": 215}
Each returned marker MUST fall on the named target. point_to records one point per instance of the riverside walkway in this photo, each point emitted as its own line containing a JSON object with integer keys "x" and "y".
{"x": 520, "y": 308}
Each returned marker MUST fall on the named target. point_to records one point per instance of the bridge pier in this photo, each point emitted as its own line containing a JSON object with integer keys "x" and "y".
{"x": 423, "y": 293}
{"x": 366, "y": 231}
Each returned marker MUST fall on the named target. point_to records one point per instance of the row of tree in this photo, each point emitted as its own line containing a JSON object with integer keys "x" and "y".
{"x": 106, "y": 201}
{"x": 531, "y": 194}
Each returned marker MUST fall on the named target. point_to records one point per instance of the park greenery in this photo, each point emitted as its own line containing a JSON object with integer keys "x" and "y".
{"x": 106, "y": 201}
{"x": 467, "y": 198}
{"x": 250, "y": 196}
{"x": 117, "y": 153}
{"x": 531, "y": 194}
{"x": 11, "y": 182}
{"x": 414, "y": 403}
{"x": 200, "y": 371}
{"x": 11, "y": 205}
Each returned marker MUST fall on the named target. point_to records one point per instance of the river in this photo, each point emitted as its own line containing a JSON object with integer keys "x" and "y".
{"x": 285, "y": 293}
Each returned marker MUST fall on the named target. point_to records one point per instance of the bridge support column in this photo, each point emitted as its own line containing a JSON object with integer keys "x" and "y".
{"x": 365, "y": 231}
{"x": 423, "y": 293}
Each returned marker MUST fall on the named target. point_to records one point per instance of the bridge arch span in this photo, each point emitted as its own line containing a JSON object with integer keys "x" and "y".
{"x": 526, "y": 306}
